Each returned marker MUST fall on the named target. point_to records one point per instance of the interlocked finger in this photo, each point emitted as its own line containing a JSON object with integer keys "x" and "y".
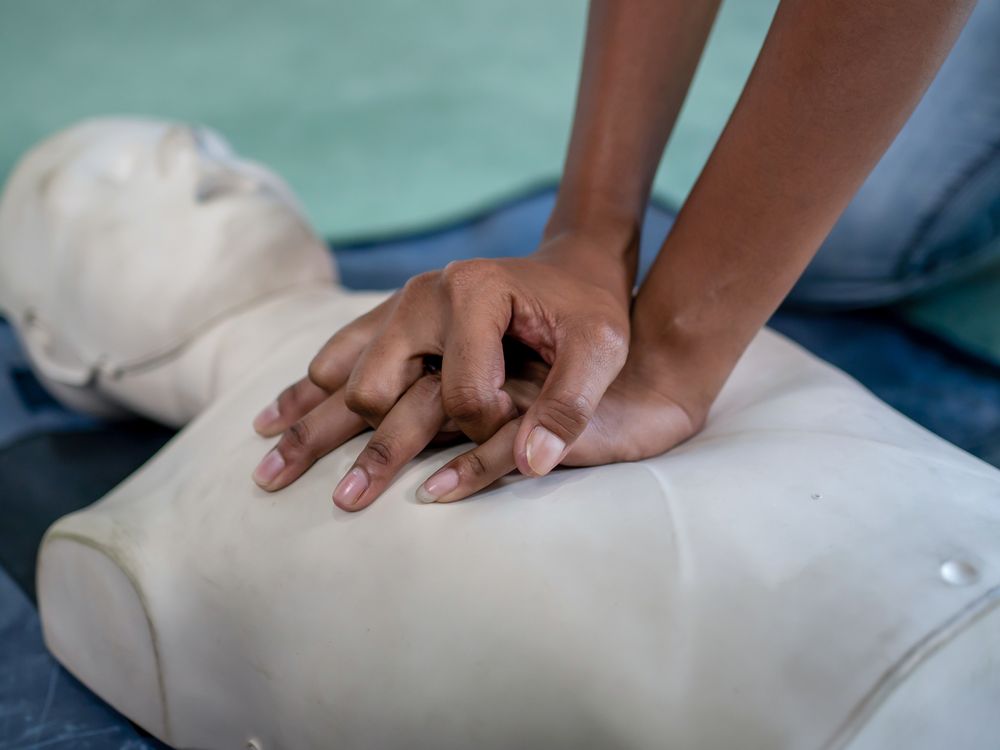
{"x": 474, "y": 469}
{"x": 405, "y": 431}
{"x": 328, "y": 426}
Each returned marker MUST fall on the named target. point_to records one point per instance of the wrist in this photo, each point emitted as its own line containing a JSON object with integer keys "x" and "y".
{"x": 607, "y": 214}
{"x": 600, "y": 261}
{"x": 602, "y": 251}
{"x": 708, "y": 294}
{"x": 686, "y": 351}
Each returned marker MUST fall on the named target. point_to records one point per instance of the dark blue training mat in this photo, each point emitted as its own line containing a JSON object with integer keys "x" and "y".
{"x": 53, "y": 461}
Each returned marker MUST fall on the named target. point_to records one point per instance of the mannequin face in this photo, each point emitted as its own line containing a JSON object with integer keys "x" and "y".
{"x": 121, "y": 240}
{"x": 121, "y": 171}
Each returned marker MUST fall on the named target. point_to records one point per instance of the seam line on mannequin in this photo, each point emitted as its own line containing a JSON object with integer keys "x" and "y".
{"x": 911, "y": 660}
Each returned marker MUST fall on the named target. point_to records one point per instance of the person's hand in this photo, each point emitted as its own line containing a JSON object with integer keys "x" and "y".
{"x": 638, "y": 417}
{"x": 569, "y": 303}
{"x": 643, "y": 413}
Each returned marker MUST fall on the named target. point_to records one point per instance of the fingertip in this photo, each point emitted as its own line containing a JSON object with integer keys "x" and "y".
{"x": 268, "y": 469}
{"x": 349, "y": 508}
{"x": 266, "y": 424}
{"x": 272, "y": 432}
{"x": 439, "y": 487}
{"x": 521, "y": 459}
{"x": 520, "y": 447}
{"x": 543, "y": 450}
{"x": 349, "y": 490}
{"x": 453, "y": 497}
{"x": 424, "y": 496}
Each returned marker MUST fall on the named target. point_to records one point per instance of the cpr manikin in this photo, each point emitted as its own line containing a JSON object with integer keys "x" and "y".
{"x": 811, "y": 571}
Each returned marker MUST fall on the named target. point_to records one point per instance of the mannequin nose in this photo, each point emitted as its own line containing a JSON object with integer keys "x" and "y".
{"x": 178, "y": 143}
{"x": 217, "y": 181}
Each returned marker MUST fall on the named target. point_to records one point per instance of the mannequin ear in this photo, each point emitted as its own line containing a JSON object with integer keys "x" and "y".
{"x": 54, "y": 358}
{"x": 177, "y": 141}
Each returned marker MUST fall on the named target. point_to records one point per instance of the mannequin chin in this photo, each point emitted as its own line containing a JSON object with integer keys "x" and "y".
{"x": 811, "y": 571}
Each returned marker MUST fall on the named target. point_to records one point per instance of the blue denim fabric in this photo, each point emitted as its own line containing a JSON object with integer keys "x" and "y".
{"x": 930, "y": 210}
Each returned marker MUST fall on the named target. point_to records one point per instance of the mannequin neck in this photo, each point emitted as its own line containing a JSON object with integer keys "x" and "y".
{"x": 174, "y": 391}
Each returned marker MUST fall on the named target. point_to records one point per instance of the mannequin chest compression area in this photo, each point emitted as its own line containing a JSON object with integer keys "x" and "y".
{"x": 785, "y": 579}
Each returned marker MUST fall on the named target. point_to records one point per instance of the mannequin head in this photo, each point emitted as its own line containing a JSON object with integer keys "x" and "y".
{"x": 124, "y": 241}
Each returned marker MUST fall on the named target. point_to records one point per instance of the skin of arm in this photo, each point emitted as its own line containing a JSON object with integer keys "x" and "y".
{"x": 639, "y": 59}
{"x": 834, "y": 83}
{"x": 569, "y": 301}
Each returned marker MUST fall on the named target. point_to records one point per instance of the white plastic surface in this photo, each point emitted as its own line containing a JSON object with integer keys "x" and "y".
{"x": 753, "y": 588}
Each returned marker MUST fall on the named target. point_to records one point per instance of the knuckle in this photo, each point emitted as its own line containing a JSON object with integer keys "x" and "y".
{"x": 366, "y": 401}
{"x": 466, "y": 403}
{"x": 326, "y": 367}
{"x": 464, "y": 274}
{"x": 418, "y": 284}
{"x": 379, "y": 452}
{"x": 320, "y": 374}
{"x": 428, "y": 387}
{"x": 371, "y": 319}
{"x": 354, "y": 336}
{"x": 605, "y": 338}
{"x": 297, "y": 439}
{"x": 567, "y": 412}
{"x": 288, "y": 399}
{"x": 609, "y": 337}
{"x": 474, "y": 466}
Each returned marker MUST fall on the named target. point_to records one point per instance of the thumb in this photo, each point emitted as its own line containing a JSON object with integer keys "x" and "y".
{"x": 586, "y": 363}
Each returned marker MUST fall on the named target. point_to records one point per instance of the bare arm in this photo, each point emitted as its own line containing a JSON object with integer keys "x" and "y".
{"x": 570, "y": 301}
{"x": 834, "y": 83}
{"x": 639, "y": 59}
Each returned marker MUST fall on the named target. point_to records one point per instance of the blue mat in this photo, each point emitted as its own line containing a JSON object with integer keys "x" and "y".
{"x": 25, "y": 406}
{"x": 53, "y": 461}
{"x": 42, "y": 705}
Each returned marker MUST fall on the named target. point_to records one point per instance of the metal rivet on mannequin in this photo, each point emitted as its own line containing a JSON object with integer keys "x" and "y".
{"x": 958, "y": 572}
{"x": 816, "y": 496}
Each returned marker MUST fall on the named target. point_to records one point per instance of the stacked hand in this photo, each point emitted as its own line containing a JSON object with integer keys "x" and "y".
{"x": 526, "y": 357}
{"x": 597, "y": 383}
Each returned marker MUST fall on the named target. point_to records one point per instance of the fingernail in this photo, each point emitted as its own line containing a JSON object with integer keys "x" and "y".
{"x": 351, "y": 486}
{"x": 543, "y": 450}
{"x": 269, "y": 467}
{"x": 438, "y": 486}
{"x": 267, "y": 417}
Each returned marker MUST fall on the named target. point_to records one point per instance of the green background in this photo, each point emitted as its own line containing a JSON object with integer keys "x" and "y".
{"x": 385, "y": 116}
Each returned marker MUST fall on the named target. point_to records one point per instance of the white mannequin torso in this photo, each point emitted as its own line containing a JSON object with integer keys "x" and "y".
{"x": 812, "y": 570}
{"x": 775, "y": 582}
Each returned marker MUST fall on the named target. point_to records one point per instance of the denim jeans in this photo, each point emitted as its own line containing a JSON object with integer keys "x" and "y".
{"x": 930, "y": 210}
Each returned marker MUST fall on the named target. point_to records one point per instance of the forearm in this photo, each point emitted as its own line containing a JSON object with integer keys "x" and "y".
{"x": 638, "y": 63}
{"x": 834, "y": 83}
